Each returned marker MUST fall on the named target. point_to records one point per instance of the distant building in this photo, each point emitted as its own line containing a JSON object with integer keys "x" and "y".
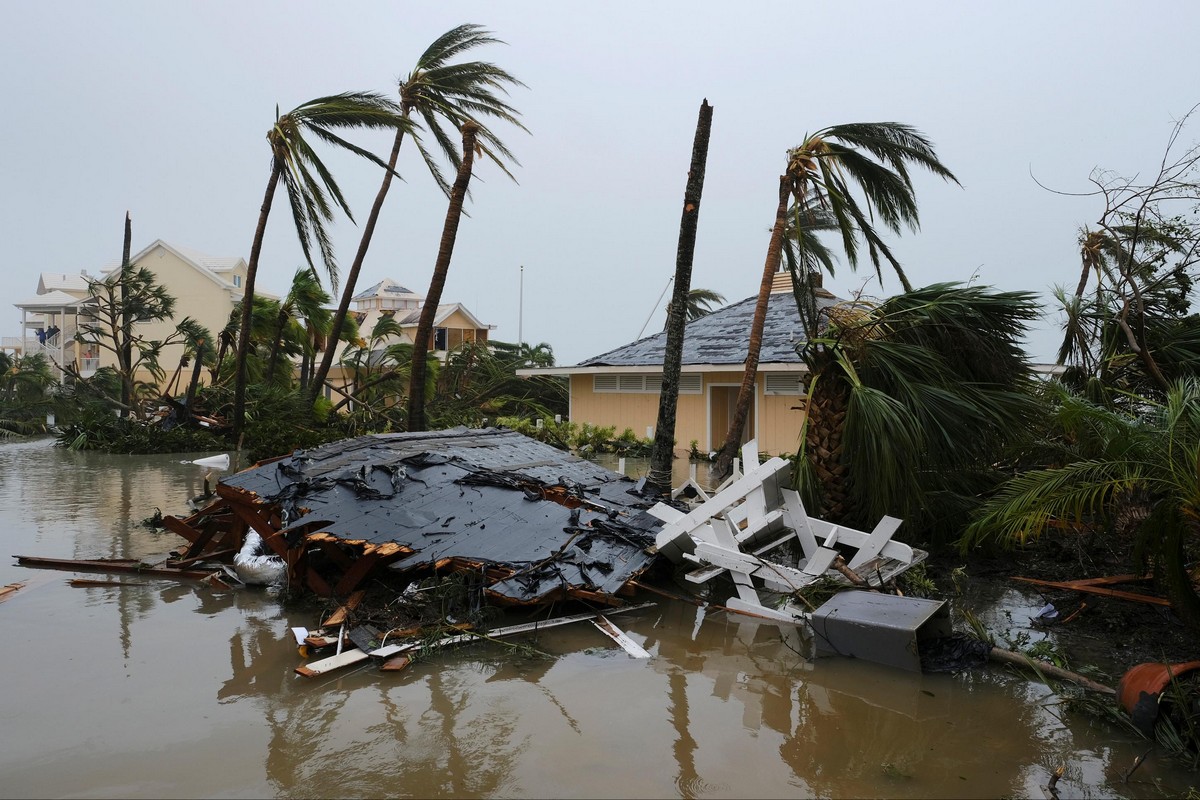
{"x": 453, "y": 324}
{"x": 206, "y": 288}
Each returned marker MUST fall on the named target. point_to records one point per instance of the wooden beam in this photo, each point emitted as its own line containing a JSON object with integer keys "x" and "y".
{"x": 1075, "y": 586}
{"x": 79, "y": 565}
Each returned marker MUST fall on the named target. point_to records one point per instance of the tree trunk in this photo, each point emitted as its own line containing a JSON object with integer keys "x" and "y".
{"x": 416, "y": 391}
{"x": 276, "y": 345}
{"x": 339, "y": 318}
{"x": 125, "y": 351}
{"x": 195, "y": 381}
{"x": 828, "y": 401}
{"x": 662, "y": 455}
{"x": 1173, "y": 569}
{"x": 733, "y": 439}
{"x": 243, "y": 346}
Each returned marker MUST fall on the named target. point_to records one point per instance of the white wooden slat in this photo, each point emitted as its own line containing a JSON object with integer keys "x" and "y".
{"x": 876, "y": 541}
{"x": 797, "y": 519}
{"x": 620, "y": 637}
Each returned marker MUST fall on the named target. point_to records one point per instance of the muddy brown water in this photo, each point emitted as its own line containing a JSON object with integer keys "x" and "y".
{"x": 177, "y": 690}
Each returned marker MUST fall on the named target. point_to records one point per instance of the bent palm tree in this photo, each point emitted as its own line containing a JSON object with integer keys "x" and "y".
{"x": 910, "y": 402}
{"x": 310, "y": 190}
{"x": 458, "y": 193}
{"x": 438, "y": 92}
{"x": 820, "y": 175}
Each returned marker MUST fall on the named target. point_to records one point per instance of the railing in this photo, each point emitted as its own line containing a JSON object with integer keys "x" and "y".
{"x": 12, "y": 343}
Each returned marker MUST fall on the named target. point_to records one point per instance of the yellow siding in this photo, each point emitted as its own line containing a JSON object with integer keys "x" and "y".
{"x": 777, "y": 418}
{"x": 196, "y": 296}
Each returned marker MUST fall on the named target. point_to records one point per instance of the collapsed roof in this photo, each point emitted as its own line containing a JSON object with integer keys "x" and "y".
{"x": 539, "y": 522}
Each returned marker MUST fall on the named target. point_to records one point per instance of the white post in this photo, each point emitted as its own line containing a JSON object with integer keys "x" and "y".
{"x": 621, "y": 465}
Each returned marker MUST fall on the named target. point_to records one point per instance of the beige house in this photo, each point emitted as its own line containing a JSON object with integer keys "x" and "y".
{"x": 205, "y": 288}
{"x": 621, "y": 388}
{"x": 453, "y": 324}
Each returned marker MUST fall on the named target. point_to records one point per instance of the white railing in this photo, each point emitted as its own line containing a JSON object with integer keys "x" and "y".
{"x": 16, "y": 343}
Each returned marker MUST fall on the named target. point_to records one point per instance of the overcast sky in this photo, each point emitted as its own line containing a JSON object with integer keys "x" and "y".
{"x": 162, "y": 109}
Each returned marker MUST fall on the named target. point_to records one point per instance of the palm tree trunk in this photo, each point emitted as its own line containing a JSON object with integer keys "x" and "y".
{"x": 339, "y": 318}
{"x": 195, "y": 381}
{"x": 1173, "y": 569}
{"x": 745, "y": 397}
{"x": 663, "y": 453}
{"x": 828, "y": 401}
{"x": 458, "y": 193}
{"x": 276, "y": 345}
{"x": 125, "y": 354}
{"x": 243, "y": 347}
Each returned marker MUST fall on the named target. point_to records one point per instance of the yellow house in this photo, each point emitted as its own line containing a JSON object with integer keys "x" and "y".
{"x": 621, "y": 388}
{"x": 205, "y": 288}
{"x": 453, "y": 325}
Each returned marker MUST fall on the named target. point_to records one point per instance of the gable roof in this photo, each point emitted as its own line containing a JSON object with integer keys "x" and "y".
{"x": 206, "y": 265}
{"x": 444, "y": 311}
{"x": 721, "y": 338}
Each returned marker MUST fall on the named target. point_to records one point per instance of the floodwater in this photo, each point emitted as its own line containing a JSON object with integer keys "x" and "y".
{"x": 161, "y": 689}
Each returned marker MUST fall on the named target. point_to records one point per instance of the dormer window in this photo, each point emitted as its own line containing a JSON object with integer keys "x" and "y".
{"x": 237, "y": 281}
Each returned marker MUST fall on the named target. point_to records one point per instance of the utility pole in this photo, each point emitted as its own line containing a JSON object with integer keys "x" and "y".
{"x": 521, "y": 308}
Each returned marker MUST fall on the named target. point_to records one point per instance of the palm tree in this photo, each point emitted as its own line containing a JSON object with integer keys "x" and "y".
{"x": 458, "y": 193}
{"x": 439, "y": 92}
{"x": 820, "y": 174}
{"x": 310, "y": 190}
{"x": 1132, "y": 474}
{"x": 699, "y": 303}
{"x": 304, "y": 306}
{"x": 910, "y": 403}
{"x": 662, "y": 454}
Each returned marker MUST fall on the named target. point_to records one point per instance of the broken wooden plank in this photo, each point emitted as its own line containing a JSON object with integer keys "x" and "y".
{"x": 620, "y": 637}
{"x": 345, "y": 658}
{"x": 524, "y": 627}
{"x": 85, "y": 582}
{"x": 5, "y": 591}
{"x": 339, "y": 616}
{"x": 106, "y": 565}
{"x": 1075, "y": 586}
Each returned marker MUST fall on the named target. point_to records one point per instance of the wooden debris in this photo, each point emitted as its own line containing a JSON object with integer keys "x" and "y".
{"x": 131, "y": 566}
{"x": 1096, "y": 586}
{"x": 339, "y": 616}
{"x": 85, "y": 582}
{"x": 5, "y": 591}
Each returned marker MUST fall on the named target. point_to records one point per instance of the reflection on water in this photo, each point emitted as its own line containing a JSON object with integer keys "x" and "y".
{"x": 172, "y": 690}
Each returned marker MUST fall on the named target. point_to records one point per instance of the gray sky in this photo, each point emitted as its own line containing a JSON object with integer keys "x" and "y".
{"x": 162, "y": 109}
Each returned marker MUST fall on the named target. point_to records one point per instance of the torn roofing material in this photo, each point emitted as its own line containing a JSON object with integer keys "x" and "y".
{"x": 554, "y": 523}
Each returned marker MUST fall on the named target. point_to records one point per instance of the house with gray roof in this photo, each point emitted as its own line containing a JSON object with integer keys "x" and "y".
{"x": 620, "y": 388}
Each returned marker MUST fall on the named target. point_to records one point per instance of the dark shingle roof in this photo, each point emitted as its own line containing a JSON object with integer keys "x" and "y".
{"x": 721, "y": 337}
